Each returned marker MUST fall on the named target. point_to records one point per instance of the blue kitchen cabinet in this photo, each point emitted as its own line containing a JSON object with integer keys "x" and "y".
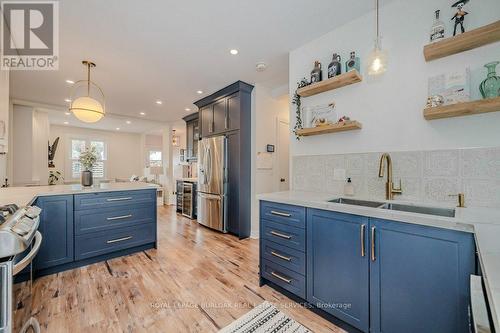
{"x": 338, "y": 265}
{"x": 419, "y": 278}
{"x": 56, "y": 227}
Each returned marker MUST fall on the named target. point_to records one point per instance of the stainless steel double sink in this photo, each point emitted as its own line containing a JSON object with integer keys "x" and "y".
{"x": 436, "y": 211}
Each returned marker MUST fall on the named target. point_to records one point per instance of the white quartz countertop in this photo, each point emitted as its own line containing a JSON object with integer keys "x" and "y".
{"x": 23, "y": 196}
{"x": 484, "y": 223}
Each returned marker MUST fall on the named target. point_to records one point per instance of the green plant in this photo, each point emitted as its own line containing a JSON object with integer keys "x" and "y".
{"x": 296, "y": 100}
{"x": 54, "y": 177}
{"x": 88, "y": 158}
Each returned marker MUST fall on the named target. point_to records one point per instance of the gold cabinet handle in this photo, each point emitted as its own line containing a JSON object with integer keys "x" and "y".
{"x": 281, "y": 256}
{"x": 276, "y": 275}
{"x": 280, "y": 213}
{"x": 281, "y": 235}
{"x": 373, "y": 245}
{"x": 119, "y": 217}
{"x": 119, "y": 199}
{"x": 362, "y": 239}
{"x": 119, "y": 240}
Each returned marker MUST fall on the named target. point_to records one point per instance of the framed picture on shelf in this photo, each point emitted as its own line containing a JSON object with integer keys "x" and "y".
{"x": 319, "y": 115}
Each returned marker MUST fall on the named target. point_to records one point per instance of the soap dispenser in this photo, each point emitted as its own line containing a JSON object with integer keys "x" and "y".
{"x": 349, "y": 188}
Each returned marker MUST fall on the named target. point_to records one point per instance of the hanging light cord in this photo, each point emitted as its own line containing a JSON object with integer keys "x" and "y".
{"x": 88, "y": 78}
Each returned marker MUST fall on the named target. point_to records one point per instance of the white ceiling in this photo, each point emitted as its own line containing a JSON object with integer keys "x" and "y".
{"x": 167, "y": 50}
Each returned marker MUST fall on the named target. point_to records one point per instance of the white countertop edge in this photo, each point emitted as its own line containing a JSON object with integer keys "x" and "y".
{"x": 466, "y": 220}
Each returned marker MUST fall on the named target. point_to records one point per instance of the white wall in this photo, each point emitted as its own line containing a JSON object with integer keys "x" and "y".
{"x": 4, "y": 116}
{"x": 267, "y": 109}
{"x": 390, "y": 107}
{"x": 22, "y": 145}
{"x": 124, "y": 150}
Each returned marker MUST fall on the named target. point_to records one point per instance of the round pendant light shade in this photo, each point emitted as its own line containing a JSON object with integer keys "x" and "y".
{"x": 87, "y": 108}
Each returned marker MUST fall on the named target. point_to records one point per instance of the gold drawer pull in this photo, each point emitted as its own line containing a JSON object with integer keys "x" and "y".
{"x": 119, "y": 217}
{"x": 119, "y": 240}
{"x": 280, "y": 213}
{"x": 373, "y": 257}
{"x": 119, "y": 199}
{"x": 281, "y": 235}
{"x": 281, "y": 256}
{"x": 276, "y": 275}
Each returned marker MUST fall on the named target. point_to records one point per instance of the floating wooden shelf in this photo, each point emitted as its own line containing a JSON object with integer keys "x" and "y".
{"x": 463, "y": 109}
{"x": 341, "y": 127}
{"x": 463, "y": 42}
{"x": 330, "y": 84}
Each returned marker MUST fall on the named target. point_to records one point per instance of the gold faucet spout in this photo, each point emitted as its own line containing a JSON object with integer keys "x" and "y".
{"x": 390, "y": 190}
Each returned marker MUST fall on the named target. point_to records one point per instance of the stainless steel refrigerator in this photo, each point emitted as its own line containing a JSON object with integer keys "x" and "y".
{"x": 212, "y": 184}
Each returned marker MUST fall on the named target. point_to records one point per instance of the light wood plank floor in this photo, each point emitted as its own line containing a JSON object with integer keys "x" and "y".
{"x": 197, "y": 280}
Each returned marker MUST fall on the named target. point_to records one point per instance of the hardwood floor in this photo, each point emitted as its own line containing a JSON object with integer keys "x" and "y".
{"x": 198, "y": 280}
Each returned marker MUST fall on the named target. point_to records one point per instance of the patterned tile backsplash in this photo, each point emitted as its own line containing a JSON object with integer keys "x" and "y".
{"x": 427, "y": 176}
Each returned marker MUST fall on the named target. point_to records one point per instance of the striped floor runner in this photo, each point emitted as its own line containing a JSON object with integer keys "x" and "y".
{"x": 265, "y": 318}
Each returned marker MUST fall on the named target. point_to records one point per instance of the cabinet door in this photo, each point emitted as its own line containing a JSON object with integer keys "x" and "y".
{"x": 220, "y": 110}
{"x": 419, "y": 278}
{"x": 233, "y": 112}
{"x": 189, "y": 140}
{"x": 337, "y": 265}
{"x": 195, "y": 139}
{"x": 207, "y": 120}
{"x": 233, "y": 181}
{"x": 56, "y": 227}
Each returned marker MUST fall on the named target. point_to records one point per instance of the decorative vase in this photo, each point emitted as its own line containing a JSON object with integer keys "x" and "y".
{"x": 490, "y": 87}
{"x": 87, "y": 178}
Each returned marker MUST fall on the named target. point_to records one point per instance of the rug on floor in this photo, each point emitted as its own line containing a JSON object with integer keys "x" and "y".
{"x": 265, "y": 318}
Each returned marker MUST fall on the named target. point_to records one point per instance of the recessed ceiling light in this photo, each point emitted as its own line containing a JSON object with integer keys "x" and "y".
{"x": 66, "y": 123}
{"x": 260, "y": 66}
{"x": 159, "y": 102}
{"x": 128, "y": 122}
{"x": 67, "y": 113}
{"x": 199, "y": 92}
{"x": 70, "y": 81}
{"x": 67, "y": 100}
{"x": 118, "y": 128}
{"x": 142, "y": 113}
{"x": 234, "y": 52}
{"x": 187, "y": 109}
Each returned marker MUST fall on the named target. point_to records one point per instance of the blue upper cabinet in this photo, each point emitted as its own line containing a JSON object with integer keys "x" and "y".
{"x": 338, "y": 265}
{"x": 419, "y": 278}
{"x": 56, "y": 226}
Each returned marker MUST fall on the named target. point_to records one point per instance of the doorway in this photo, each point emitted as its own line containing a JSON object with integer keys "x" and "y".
{"x": 283, "y": 157}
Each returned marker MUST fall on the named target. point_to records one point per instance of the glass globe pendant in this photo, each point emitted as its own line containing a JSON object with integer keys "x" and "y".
{"x": 87, "y": 108}
{"x": 377, "y": 60}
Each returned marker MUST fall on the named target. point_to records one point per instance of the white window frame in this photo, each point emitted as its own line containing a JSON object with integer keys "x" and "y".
{"x": 149, "y": 156}
{"x": 70, "y": 160}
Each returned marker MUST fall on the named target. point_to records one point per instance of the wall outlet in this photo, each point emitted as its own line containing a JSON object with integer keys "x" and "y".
{"x": 339, "y": 174}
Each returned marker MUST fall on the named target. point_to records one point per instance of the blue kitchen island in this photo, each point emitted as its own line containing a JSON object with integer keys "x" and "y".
{"x": 82, "y": 225}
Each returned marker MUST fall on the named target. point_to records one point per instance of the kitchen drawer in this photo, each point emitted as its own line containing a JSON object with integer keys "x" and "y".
{"x": 87, "y": 221}
{"x": 113, "y": 199}
{"x": 283, "y": 234}
{"x": 294, "y": 216}
{"x": 285, "y": 256}
{"x": 94, "y": 244}
{"x": 283, "y": 277}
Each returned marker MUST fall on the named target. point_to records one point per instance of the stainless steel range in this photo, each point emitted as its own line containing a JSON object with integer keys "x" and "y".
{"x": 19, "y": 243}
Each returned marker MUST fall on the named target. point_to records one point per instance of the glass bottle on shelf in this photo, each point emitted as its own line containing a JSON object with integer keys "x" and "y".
{"x": 316, "y": 75}
{"x": 352, "y": 63}
{"x": 335, "y": 68}
{"x": 437, "y": 29}
{"x": 490, "y": 87}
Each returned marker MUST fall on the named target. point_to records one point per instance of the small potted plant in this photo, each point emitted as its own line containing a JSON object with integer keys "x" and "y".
{"x": 87, "y": 159}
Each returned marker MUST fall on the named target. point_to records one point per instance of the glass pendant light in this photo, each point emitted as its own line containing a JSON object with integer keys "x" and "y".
{"x": 87, "y": 108}
{"x": 377, "y": 60}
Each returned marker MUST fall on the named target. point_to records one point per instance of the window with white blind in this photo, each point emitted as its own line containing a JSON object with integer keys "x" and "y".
{"x": 77, "y": 147}
{"x": 155, "y": 159}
